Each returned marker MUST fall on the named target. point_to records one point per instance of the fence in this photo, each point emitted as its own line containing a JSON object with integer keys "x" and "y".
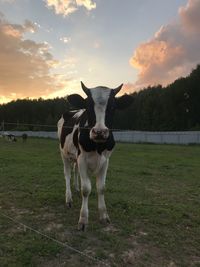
{"x": 190, "y": 137}
{"x": 43, "y": 134}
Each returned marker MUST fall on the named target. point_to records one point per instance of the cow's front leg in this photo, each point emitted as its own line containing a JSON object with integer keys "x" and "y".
{"x": 100, "y": 183}
{"x": 85, "y": 191}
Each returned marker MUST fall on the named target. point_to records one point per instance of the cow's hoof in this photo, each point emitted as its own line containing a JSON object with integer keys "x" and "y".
{"x": 82, "y": 227}
{"x": 105, "y": 221}
{"x": 69, "y": 205}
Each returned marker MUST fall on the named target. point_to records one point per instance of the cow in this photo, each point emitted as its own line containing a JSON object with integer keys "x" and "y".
{"x": 24, "y": 137}
{"x": 10, "y": 137}
{"x": 87, "y": 142}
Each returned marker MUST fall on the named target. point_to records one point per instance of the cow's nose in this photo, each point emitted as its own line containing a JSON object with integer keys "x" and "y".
{"x": 100, "y": 132}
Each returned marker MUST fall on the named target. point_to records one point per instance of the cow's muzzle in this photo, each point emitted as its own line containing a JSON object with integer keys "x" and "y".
{"x": 99, "y": 135}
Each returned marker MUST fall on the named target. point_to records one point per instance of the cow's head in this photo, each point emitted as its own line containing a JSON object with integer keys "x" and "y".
{"x": 100, "y": 106}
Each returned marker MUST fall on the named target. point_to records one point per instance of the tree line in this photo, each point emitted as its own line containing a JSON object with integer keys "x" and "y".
{"x": 175, "y": 107}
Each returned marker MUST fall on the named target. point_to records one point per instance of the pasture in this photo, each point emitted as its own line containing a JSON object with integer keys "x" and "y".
{"x": 152, "y": 196}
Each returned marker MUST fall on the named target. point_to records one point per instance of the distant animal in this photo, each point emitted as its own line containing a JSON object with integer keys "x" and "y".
{"x": 11, "y": 137}
{"x": 24, "y": 137}
{"x": 86, "y": 140}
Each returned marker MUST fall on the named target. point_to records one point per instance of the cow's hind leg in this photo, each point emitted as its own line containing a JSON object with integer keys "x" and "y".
{"x": 76, "y": 177}
{"x": 100, "y": 184}
{"x": 67, "y": 174}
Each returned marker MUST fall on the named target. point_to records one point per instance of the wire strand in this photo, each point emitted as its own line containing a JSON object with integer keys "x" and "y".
{"x": 56, "y": 241}
{"x": 55, "y": 126}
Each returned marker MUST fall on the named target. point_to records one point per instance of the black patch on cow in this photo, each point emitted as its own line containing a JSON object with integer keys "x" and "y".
{"x": 75, "y": 140}
{"x": 91, "y": 117}
{"x": 88, "y": 145}
{"x": 82, "y": 120}
{"x": 67, "y": 115}
{"x": 110, "y": 110}
{"x": 69, "y": 123}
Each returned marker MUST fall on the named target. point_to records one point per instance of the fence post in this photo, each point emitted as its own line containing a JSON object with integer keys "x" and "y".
{"x": 2, "y": 126}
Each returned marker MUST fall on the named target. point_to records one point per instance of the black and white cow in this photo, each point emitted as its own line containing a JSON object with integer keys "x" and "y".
{"x": 87, "y": 141}
{"x": 10, "y": 137}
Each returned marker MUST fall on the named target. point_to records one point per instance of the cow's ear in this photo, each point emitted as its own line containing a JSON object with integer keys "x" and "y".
{"x": 124, "y": 101}
{"x": 76, "y": 100}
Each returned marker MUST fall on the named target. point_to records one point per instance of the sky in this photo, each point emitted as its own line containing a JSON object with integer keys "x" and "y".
{"x": 48, "y": 46}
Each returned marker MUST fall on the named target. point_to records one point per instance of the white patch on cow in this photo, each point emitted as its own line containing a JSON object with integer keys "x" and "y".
{"x": 59, "y": 125}
{"x": 78, "y": 113}
{"x": 69, "y": 150}
{"x": 98, "y": 164}
{"x": 94, "y": 160}
{"x": 100, "y": 97}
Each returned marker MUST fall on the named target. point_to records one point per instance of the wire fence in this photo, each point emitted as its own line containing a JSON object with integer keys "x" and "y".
{"x": 120, "y": 135}
{"x": 17, "y": 125}
{"x": 69, "y": 247}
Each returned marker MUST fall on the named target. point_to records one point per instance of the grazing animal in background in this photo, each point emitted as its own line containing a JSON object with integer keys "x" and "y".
{"x": 86, "y": 140}
{"x": 24, "y": 137}
{"x": 11, "y": 137}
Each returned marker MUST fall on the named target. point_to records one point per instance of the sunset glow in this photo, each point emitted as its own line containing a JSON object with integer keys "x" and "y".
{"x": 48, "y": 46}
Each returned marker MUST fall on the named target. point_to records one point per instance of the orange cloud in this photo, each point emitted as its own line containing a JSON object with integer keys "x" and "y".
{"x": 153, "y": 58}
{"x": 190, "y": 16}
{"x": 25, "y": 66}
{"x": 16, "y": 30}
{"x": 66, "y": 7}
{"x": 171, "y": 53}
{"x": 127, "y": 88}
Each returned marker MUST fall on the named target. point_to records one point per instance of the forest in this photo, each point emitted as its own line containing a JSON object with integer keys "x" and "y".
{"x": 175, "y": 107}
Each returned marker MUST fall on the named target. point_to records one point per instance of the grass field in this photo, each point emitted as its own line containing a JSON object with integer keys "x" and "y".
{"x": 152, "y": 195}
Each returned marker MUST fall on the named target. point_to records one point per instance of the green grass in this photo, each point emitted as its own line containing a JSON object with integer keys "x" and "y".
{"x": 152, "y": 195}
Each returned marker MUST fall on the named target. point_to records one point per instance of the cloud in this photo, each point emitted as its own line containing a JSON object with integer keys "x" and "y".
{"x": 25, "y": 65}
{"x": 172, "y": 52}
{"x": 66, "y": 7}
{"x": 65, "y": 39}
{"x": 72, "y": 85}
{"x": 16, "y": 30}
{"x": 88, "y": 4}
{"x": 190, "y": 16}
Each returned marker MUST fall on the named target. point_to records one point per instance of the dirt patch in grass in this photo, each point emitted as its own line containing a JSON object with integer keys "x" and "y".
{"x": 52, "y": 226}
{"x": 73, "y": 259}
{"x": 62, "y": 260}
{"x": 110, "y": 228}
{"x": 140, "y": 254}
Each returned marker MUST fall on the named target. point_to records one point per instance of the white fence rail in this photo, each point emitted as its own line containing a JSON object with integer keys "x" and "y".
{"x": 189, "y": 137}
